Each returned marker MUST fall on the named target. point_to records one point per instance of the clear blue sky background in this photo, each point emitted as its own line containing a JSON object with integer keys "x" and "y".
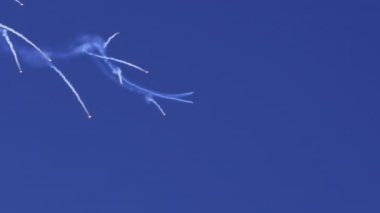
{"x": 286, "y": 117}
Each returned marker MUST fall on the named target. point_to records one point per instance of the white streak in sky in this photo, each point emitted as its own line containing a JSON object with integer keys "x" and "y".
{"x": 19, "y": 2}
{"x": 118, "y": 60}
{"x": 95, "y": 47}
{"x": 117, "y": 72}
{"x": 5, "y": 34}
{"x": 72, "y": 89}
{"x": 109, "y": 40}
{"x": 151, "y": 100}
{"x": 10, "y": 44}
{"x": 26, "y": 40}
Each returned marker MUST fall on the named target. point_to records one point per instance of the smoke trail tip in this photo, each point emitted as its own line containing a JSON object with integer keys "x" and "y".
{"x": 19, "y": 2}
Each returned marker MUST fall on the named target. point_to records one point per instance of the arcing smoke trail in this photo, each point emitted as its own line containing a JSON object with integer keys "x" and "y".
{"x": 26, "y": 40}
{"x": 5, "y": 30}
{"x": 95, "y": 46}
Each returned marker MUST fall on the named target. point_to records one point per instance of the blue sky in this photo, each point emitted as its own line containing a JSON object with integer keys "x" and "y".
{"x": 286, "y": 114}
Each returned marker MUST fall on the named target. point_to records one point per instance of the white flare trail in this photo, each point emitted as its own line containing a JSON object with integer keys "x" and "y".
{"x": 95, "y": 47}
{"x": 19, "y": 2}
{"x": 151, "y": 100}
{"x": 119, "y": 61}
{"x": 72, "y": 89}
{"x": 5, "y": 30}
{"x": 109, "y": 40}
{"x": 10, "y": 44}
{"x": 25, "y": 39}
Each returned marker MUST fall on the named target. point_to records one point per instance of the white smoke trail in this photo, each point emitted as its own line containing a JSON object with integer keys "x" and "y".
{"x": 10, "y": 44}
{"x": 5, "y": 34}
{"x": 117, "y": 72}
{"x": 118, "y": 60}
{"x": 25, "y": 39}
{"x": 95, "y": 47}
{"x": 72, "y": 89}
{"x": 151, "y": 100}
{"x": 19, "y": 2}
{"x": 109, "y": 40}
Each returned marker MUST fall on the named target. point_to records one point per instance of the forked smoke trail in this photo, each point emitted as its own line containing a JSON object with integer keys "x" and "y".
{"x": 25, "y": 39}
{"x": 151, "y": 100}
{"x": 94, "y": 46}
{"x": 10, "y": 44}
{"x": 5, "y": 30}
{"x": 119, "y": 61}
